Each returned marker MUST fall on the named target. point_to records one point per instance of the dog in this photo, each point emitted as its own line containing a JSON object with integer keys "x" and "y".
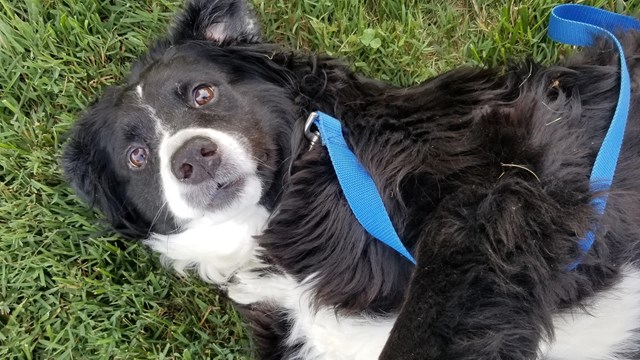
{"x": 202, "y": 154}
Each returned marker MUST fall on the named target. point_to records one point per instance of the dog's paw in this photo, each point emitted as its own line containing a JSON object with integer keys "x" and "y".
{"x": 249, "y": 287}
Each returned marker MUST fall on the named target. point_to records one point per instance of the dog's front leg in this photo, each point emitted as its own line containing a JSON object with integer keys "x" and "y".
{"x": 483, "y": 287}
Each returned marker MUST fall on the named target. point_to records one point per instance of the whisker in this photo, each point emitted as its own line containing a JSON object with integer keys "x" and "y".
{"x": 263, "y": 163}
{"x": 155, "y": 218}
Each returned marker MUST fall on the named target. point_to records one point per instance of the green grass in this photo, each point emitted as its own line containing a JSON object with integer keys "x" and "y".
{"x": 71, "y": 290}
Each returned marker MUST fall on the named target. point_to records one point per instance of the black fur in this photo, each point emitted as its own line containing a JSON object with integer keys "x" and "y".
{"x": 484, "y": 173}
{"x": 269, "y": 328}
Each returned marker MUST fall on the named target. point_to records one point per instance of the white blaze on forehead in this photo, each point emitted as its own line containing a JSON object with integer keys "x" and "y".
{"x": 150, "y": 111}
{"x": 234, "y": 155}
{"x": 147, "y": 108}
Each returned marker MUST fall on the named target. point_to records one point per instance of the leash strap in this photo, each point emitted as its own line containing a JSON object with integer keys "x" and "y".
{"x": 358, "y": 187}
{"x": 579, "y": 25}
{"x": 572, "y": 24}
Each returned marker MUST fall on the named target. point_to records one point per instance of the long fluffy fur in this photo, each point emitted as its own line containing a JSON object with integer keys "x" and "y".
{"x": 484, "y": 173}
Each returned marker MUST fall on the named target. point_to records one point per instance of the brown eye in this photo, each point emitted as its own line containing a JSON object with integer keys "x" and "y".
{"x": 137, "y": 157}
{"x": 203, "y": 94}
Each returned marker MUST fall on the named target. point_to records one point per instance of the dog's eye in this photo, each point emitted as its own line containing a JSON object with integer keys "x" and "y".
{"x": 203, "y": 94}
{"x": 137, "y": 157}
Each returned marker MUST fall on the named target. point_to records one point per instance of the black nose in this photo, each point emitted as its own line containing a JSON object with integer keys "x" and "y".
{"x": 196, "y": 160}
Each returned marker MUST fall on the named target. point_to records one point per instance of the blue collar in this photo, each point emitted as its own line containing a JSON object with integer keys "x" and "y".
{"x": 356, "y": 183}
{"x": 571, "y": 24}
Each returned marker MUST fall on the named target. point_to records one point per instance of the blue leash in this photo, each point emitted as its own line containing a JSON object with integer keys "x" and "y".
{"x": 358, "y": 187}
{"x": 571, "y": 24}
{"x": 579, "y": 25}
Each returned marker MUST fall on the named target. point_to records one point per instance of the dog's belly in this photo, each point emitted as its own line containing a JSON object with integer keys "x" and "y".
{"x": 607, "y": 328}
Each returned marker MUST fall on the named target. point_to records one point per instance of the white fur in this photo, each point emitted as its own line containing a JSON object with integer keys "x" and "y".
{"x": 327, "y": 336}
{"x": 324, "y": 334}
{"x": 215, "y": 244}
{"x": 216, "y": 32}
{"x": 216, "y": 250}
{"x": 606, "y": 329}
{"x": 151, "y": 112}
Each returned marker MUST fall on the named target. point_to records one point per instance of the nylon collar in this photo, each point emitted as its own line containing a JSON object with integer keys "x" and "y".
{"x": 357, "y": 186}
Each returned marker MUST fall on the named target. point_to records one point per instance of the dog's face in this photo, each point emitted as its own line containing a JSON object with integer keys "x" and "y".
{"x": 194, "y": 132}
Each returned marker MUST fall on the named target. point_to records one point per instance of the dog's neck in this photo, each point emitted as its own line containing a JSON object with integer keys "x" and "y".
{"x": 228, "y": 255}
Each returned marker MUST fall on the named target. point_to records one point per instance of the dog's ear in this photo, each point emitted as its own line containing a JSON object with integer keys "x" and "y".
{"x": 82, "y": 150}
{"x": 220, "y": 21}
{"x": 87, "y": 166}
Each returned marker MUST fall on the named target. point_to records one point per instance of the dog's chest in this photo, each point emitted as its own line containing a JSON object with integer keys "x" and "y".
{"x": 226, "y": 254}
{"x": 214, "y": 249}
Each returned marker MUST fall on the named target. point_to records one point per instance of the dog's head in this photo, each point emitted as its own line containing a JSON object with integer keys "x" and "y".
{"x": 197, "y": 130}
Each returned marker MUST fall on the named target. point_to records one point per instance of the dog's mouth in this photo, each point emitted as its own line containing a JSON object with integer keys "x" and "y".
{"x": 227, "y": 191}
{"x": 213, "y": 195}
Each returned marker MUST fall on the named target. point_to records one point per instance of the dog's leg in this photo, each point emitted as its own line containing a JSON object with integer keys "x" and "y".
{"x": 484, "y": 286}
{"x": 269, "y": 328}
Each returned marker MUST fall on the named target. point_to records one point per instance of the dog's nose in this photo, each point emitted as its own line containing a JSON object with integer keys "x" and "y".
{"x": 196, "y": 160}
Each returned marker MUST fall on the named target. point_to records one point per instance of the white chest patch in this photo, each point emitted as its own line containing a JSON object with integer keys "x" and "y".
{"x": 216, "y": 250}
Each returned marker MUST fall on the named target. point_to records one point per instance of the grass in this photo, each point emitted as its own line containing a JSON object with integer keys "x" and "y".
{"x": 71, "y": 290}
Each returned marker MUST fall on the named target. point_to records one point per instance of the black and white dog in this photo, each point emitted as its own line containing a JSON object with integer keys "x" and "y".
{"x": 484, "y": 172}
